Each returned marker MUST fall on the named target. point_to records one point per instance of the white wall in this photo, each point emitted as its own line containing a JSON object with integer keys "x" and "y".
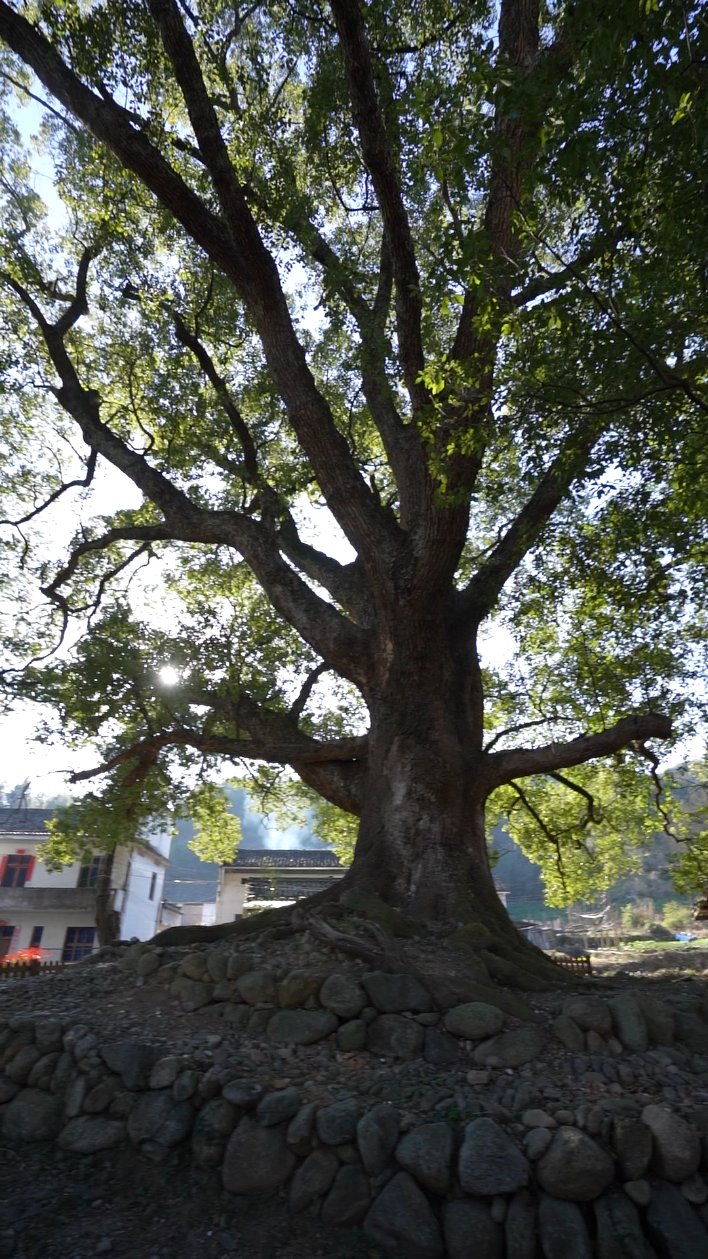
{"x": 230, "y": 896}
{"x": 54, "y": 923}
{"x": 139, "y": 913}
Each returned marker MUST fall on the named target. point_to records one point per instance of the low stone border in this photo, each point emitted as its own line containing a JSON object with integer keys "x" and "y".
{"x": 574, "y": 1181}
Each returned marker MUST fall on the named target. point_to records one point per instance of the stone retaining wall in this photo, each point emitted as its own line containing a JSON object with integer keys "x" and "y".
{"x": 612, "y": 1179}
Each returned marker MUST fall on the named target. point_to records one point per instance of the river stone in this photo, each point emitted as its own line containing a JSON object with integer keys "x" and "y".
{"x": 513, "y": 1049}
{"x": 32, "y": 1115}
{"x": 401, "y": 1220}
{"x": 659, "y": 1020}
{"x": 278, "y": 1107}
{"x": 257, "y": 1159}
{"x": 185, "y": 1085}
{"x": 301, "y": 1027}
{"x": 351, "y": 1036}
{"x": 567, "y": 1031}
{"x": 164, "y": 1073}
{"x": 695, "y": 1189}
{"x": 101, "y": 1095}
{"x": 258, "y": 985}
{"x": 343, "y": 996}
{"x": 194, "y": 965}
{"x": 520, "y": 1226}
{"x": 536, "y": 1143}
{"x": 336, "y": 1124}
{"x": 391, "y": 994}
{"x": 673, "y": 1227}
{"x": 299, "y": 1134}
{"x": 426, "y": 1152}
{"x": 677, "y": 1147}
{"x": 47, "y": 1035}
{"x": 535, "y": 1118}
{"x": 159, "y": 1118}
{"x": 297, "y": 988}
{"x": 562, "y": 1230}
{"x": 8, "y": 1090}
{"x": 225, "y": 990}
{"x": 194, "y": 994}
{"x": 217, "y": 965}
{"x": 489, "y": 1161}
{"x": 592, "y": 1014}
{"x": 88, "y": 1134}
{"x": 619, "y": 1229}
{"x": 475, "y": 1020}
{"x": 132, "y": 1061}
{"x": 392, "y": 1036}
{"x": 439, "y": 1048}
{"x": 376, "y": 1136}
{"x": 470, "y": 1231}
{"x": 74, "y": 1096}
{"x": 22, "y": 1064}
{"x": 629, "y": 1022}
{"x": 148, "y": 963}
{"x": 43, "y": 1070}
{"x": 633, "y": 1147}
{"x": 214, "y": 1124}
{"x": 236, "y": 966}
{"x": 639, "y": 1191}
{"x": 348, "y": 1200}
{"x": 574, "y": 1167}
{"x": 236, "y": 1015}
{"x": 692, "y": 1031}
{"x": 313, "y": 1178}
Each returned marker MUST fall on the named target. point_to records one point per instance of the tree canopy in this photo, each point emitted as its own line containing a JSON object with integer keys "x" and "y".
{"x": 395, "y": 317}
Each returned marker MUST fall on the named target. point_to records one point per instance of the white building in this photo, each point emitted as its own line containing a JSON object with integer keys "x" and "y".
{"x": 262, "y": 877}
{"x": 56, "y": 911}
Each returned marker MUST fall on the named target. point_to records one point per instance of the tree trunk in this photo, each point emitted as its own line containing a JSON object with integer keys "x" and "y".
{"x": 107, "y": 920}
{"x": 421, "y": 842}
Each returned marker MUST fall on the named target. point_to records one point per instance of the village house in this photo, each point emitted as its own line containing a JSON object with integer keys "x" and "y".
{"x": 56, "y": 910}
{"x": 266, "y": 877}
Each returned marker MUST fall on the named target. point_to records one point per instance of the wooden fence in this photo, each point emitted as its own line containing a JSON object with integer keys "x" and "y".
{"x": 579, "y": 964}
{"x": 20, "y": 970}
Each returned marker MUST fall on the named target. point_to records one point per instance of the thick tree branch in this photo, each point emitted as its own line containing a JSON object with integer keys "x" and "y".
{"x": 200, "y": 352}
{"x": 480, "y": 595}
{"x": 552, "y": 281}
{"x": 234, "y": 749}
{"x": 333, "y": 637}
{"x": 345, "y": 490}
{"x": 345, "y": 582}
{"x": 378, "y": 157}
{"x": 502, "y": 767}
{"x": 239, "y": 252}
{"x": 401, "y": 441}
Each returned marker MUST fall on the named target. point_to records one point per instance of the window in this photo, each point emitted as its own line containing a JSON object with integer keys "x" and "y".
{"x": 36, "y": 937}
{"x": 16, "y": 870}
{"x": 88, "y": 874}
{"x": 78, "y": 943}
{"x": 6, "y": 934}
{"x": 153, "y": 881}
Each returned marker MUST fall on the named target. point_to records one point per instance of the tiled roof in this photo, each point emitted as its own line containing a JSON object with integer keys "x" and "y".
{"x": 285, "y": 858}
{"x": 22, "y": 821}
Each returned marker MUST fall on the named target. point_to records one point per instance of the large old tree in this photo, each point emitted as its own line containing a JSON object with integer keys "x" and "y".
{"x": 435, "y": 272}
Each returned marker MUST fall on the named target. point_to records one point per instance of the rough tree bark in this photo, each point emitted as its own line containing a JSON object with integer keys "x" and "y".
{"x": 107, "y": 919}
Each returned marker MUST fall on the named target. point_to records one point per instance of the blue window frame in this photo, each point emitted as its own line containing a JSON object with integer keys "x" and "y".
{"x": 78, "y": 943}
